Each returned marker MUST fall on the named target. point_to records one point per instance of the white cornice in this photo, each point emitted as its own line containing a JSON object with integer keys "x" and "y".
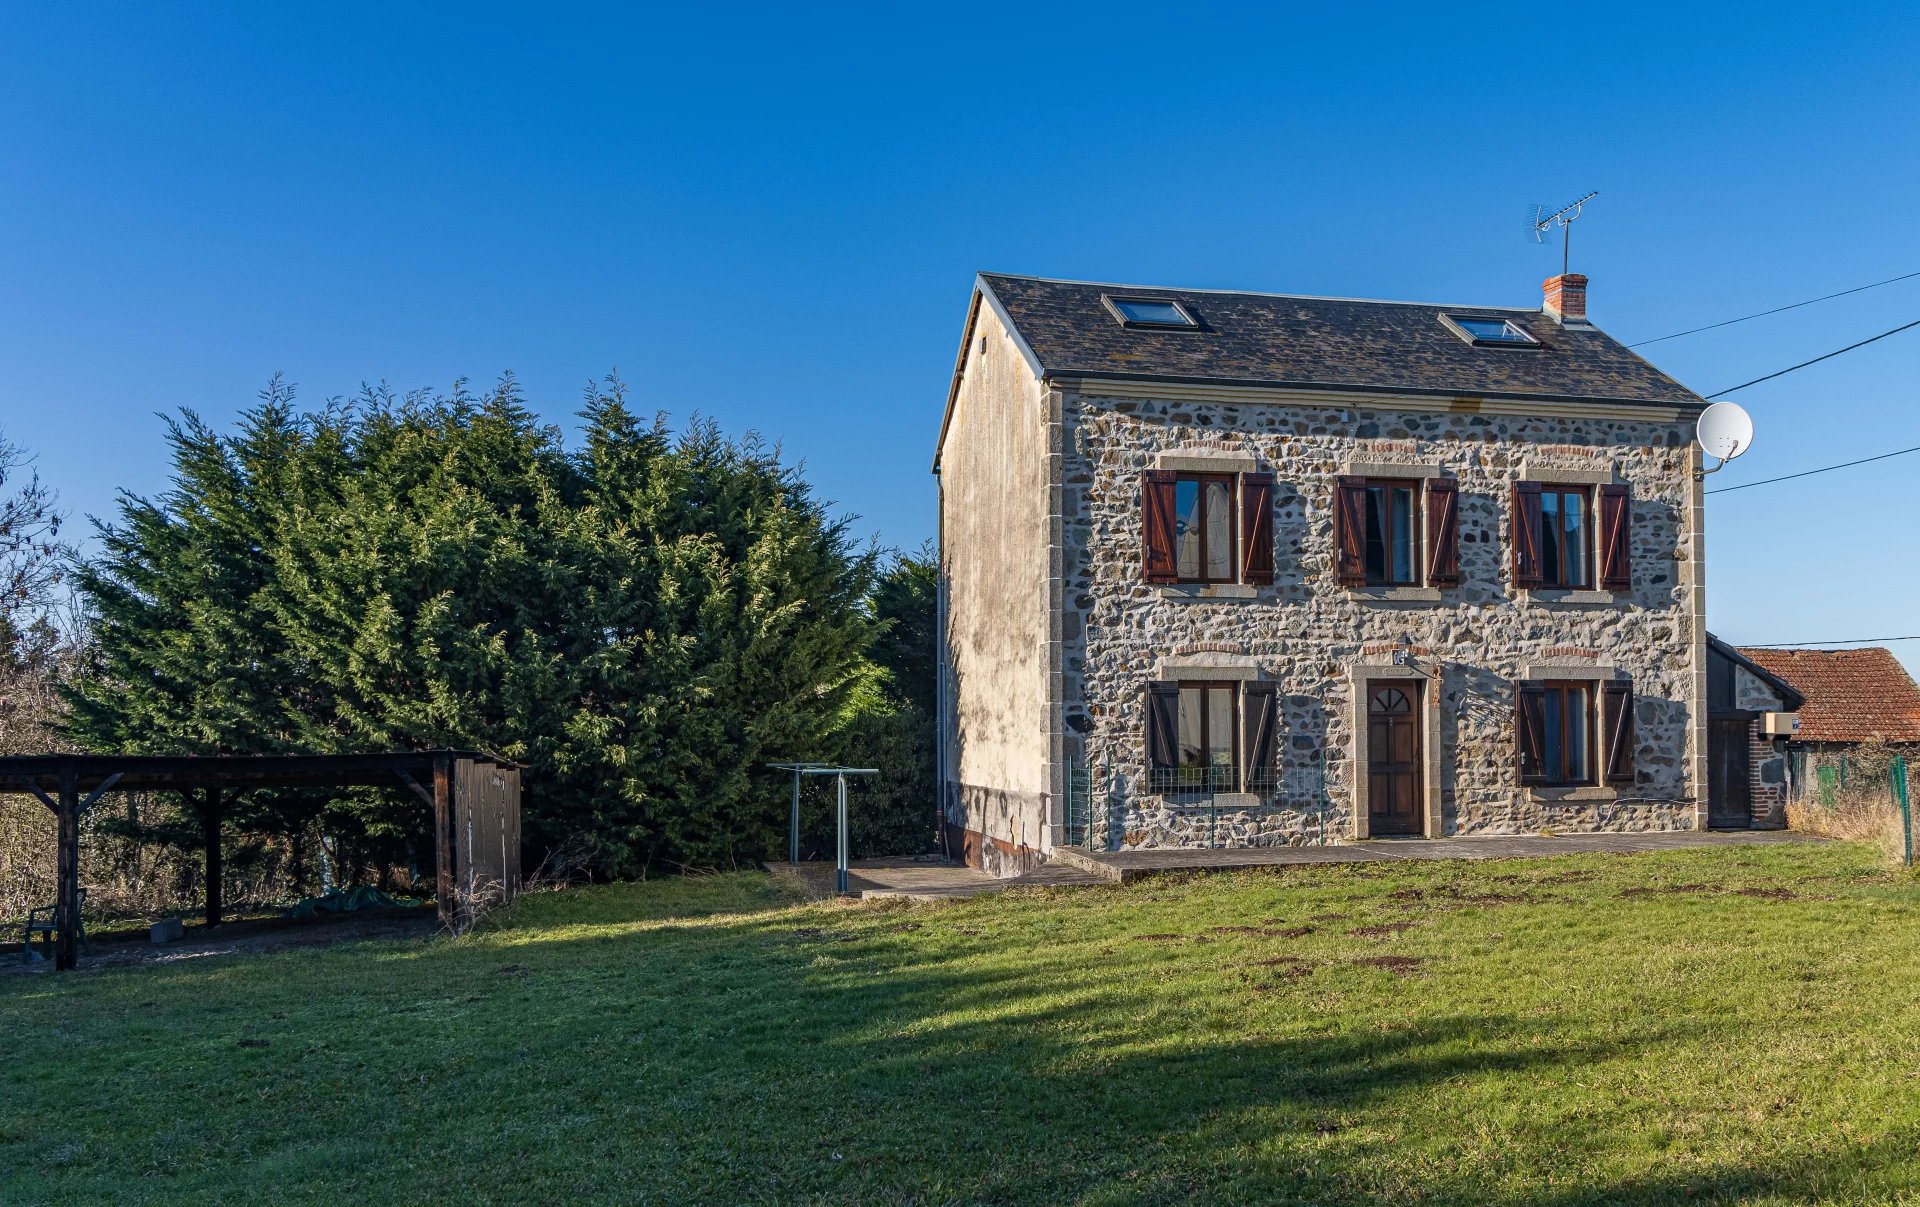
{"x": 1462, "y": 404}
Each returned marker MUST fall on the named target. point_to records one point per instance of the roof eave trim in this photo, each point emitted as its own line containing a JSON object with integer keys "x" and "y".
{"x": 981, "y": 290}
{"x": 1056, "y": 375}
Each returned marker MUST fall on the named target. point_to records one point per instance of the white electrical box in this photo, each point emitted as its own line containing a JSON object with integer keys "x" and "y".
{"x": 1780, "y": 724}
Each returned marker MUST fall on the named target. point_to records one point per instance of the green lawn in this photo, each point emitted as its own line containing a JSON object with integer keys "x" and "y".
{"x": 1735, "y": 1024}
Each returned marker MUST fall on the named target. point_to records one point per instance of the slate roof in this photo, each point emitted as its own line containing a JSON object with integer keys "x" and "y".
{"x": 1860, "y": 695}
{"x": 1281, "y": 340}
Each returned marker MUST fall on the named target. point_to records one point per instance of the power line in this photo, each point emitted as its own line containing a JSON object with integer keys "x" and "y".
{"x": 1776, "y": 310}
{"x": 1808, "y": 473}
{"x": 1781, "y": 645}
{"x": 1816, "y": 360}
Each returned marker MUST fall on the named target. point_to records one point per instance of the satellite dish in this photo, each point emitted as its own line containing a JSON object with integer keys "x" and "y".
{"x": 1725, "y": 431}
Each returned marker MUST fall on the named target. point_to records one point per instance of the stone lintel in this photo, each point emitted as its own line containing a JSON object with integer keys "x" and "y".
{"x": 1206, "y": 461}
{"x": 1241, "y": 667}
{"x": 1569, "y": 668}
{"x": 1392, "y": 469}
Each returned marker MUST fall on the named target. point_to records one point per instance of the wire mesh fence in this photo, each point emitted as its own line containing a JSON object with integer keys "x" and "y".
{"x": 1860, "y": 792}
{"x": 1193, "y": 806}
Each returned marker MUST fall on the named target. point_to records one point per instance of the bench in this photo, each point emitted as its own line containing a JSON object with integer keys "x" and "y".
{"x": 48, "y": 928}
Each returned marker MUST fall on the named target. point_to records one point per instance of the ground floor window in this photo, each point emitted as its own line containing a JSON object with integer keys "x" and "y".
{"x": 1206, "y": 736}
{"x": 1205, "y": 759}
{"x": 1556, "y": 728}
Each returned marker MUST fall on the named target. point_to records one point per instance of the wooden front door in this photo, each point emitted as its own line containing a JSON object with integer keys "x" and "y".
{"x": 1393, "y": 759}
{"x": 1729, "y": 790}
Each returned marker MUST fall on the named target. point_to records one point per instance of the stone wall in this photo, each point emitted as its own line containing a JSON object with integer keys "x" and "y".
{"x": 1308, "y": 634}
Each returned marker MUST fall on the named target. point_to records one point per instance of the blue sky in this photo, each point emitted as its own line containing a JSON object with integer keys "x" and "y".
{"x": 772, "y": 217}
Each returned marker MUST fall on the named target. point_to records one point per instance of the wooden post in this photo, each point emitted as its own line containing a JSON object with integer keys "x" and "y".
{"x": 443, "y": 836}
{"x": 210, "y": 816}
{"x": 67, "y": 904}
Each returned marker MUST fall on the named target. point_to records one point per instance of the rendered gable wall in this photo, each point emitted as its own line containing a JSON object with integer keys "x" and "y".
{"x": 996, "y": 529}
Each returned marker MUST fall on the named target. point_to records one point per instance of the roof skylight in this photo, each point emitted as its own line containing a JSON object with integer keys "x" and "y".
{"x": 1493, "y": 331}
{"x": 1150, "y": 312}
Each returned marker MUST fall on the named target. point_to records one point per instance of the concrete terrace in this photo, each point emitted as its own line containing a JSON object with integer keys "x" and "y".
{"x": 1121, "y": 866}
{"x": 923, "y": 879}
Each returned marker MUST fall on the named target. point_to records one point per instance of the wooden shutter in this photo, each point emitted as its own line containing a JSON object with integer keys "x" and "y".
{"x": 1350, "y": 530}
{"x": 1530, "y": 730}
{"x": 1256, "y": 528}
{"x": 1163, "y": 726}
{"x": 1443, "y": 532}
{"x": 1616, "y": 731}
{"x": 1526, "y": 535}
{"x": 1259, "y": 736}
{"x": 1616, "y": 531}
{"x": 1158, "y": 530}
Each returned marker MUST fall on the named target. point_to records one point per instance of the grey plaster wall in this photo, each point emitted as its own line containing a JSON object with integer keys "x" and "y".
{"x": 1307, "y": 633}
{"x": 994, "y": 496}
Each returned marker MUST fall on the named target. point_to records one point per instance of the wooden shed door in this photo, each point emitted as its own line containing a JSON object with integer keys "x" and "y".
{"x": 1393, "y": 760}
{"x": 1729, "y": 791}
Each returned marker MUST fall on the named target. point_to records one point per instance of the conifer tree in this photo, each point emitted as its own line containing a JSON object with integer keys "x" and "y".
{"x": 183, "y": 663}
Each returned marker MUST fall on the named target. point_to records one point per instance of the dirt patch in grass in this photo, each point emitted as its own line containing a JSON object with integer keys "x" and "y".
{"x": 1764, "y": 892}
{"x": 1295, "y": 962}
{"x": 1569, "y": 876}
{"x": 1397, "y": 965}
{"x": 1265, "y": 932}
{"x": 1288, "y": 968}
{"x": 1448, "y": 898}
{"x": 821, "y": 935}
{"x": 1381, "y": 930}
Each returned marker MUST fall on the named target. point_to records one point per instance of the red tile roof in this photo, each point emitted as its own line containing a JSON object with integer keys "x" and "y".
{"x": 1861, "y": 695}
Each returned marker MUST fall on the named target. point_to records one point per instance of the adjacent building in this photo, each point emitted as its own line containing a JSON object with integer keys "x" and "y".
{"x": 1225, "y": 568}
{"x": 1858, "y": 707}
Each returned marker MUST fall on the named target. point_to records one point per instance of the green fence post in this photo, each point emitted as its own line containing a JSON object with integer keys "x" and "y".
{"x": 1899, "y": 778}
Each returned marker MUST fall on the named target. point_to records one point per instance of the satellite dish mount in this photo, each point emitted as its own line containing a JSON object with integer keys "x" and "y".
{"x": 1541, "y": 222}
{"x": 1724, "y": 431}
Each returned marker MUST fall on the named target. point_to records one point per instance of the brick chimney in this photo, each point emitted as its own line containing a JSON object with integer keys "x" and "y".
{"x": 1567, "y": 297}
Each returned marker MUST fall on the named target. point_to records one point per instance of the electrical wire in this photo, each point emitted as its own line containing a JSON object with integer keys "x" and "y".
{"x": 1776, "y": 310}
{"x": 1782, "y": 645}
{"x": 1816, "y": 360}
{"x": 1808, "y": 473}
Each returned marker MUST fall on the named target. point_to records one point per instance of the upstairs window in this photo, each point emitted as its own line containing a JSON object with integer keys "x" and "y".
{"x": 1203, "y": 528}
{"x": 1566, "y": 536}
{"x": 1150, "y": 312}
{"x": 1494, "y": 332}
{"x": 1378, "y": 524}
{"x": 1189, "y": 522}
{"x": 1392, "y": 550}
{"x": 1566, "y": 545}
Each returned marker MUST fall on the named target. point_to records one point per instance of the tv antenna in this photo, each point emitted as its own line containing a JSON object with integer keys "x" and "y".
{"x": 1540, "y": 221}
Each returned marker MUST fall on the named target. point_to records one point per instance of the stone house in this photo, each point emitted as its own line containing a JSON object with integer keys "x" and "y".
{"x": 1225, "y": 568}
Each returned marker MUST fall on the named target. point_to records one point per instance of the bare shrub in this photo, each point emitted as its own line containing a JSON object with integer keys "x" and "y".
{"x": 1863, "y": 808}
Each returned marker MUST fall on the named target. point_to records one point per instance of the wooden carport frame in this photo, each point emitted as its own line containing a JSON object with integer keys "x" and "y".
{"x": 60, "y": 780}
